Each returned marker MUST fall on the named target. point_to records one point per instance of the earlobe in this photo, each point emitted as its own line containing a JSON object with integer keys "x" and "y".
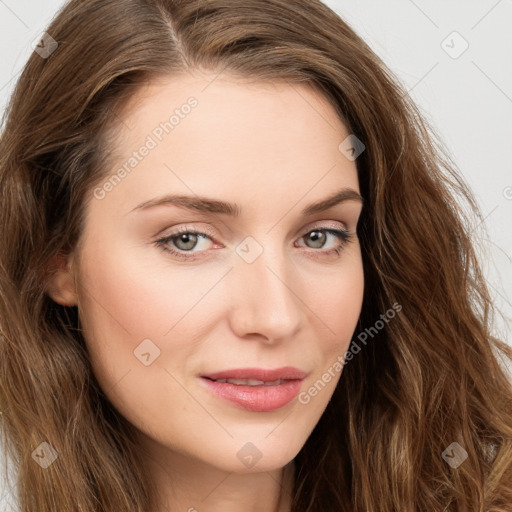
{"x": 61, "y": 285}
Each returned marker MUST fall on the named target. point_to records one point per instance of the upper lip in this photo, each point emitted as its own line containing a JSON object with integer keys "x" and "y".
{"x": 265, "y": 375}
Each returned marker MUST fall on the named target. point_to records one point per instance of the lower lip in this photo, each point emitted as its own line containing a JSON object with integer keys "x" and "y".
{"x": 256, "y": 398}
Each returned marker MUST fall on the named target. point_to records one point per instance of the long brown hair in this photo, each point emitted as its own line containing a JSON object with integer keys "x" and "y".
{"x": 425, "y": 380}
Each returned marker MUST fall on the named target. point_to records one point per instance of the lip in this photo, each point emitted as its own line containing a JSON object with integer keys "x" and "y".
{"x": 260, "y": 398}
{"x": 286, "y": 372}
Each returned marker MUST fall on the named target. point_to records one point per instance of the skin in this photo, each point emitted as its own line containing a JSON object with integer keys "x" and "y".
{"x": 273, "y": 149}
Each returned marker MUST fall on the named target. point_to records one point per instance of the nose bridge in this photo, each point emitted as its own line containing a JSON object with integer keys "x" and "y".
{"x": 266, "y": 302}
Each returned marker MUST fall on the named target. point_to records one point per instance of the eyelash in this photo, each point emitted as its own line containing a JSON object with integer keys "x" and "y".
{"x": 345, "y": 236}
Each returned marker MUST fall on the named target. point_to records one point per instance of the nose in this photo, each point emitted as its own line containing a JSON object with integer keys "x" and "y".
{"x": 265, "y": 300}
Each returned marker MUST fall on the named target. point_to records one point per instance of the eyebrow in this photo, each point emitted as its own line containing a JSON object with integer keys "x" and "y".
{"x": 208, "y": 205}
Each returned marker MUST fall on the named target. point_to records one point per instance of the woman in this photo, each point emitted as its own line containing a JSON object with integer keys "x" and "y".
{"x": 236, "y": 273}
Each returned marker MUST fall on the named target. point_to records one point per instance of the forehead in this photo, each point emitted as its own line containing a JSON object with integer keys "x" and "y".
{"x": 229, "y": 112}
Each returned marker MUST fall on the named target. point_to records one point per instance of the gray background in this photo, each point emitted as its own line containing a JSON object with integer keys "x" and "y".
{"x": 467, "y": 99}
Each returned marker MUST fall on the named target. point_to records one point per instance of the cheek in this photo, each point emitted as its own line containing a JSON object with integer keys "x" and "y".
{"x": 345, "y": 304}
{"x": 338, "y": 303}
{"x": 339, "y": 307}
{"x": 124, "y": 304}
{"x": 132, "y": 316}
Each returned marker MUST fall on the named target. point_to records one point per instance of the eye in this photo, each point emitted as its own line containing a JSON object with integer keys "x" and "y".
{"x": 319, "y": 236}
{"x": 184, "y": 240}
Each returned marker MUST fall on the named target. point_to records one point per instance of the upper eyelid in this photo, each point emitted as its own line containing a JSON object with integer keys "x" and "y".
{"x": 325, "y": 224}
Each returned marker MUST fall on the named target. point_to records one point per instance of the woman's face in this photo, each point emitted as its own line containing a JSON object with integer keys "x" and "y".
{"x": 263, "y": 289}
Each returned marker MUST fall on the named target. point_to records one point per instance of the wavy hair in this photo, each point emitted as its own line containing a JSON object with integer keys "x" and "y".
{"x": 428, "y": 378}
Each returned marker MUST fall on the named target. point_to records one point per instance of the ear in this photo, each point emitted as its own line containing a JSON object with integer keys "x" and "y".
{"x": 61, "y": 285}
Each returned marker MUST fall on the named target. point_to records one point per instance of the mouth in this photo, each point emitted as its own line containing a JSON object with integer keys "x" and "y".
{"x": 256, "y": 389}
